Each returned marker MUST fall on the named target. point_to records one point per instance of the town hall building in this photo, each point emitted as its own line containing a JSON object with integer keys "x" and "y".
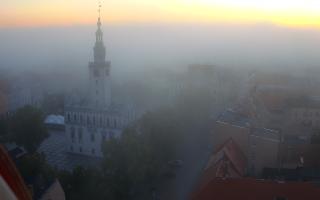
{"x": 95, "y": 119}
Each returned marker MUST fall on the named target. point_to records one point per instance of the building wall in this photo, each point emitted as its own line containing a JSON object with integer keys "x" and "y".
{"x": 264, "y": 152}
{"x": 260, "y": 151}
{"x": 24, "y": 97}
{"x": 223, "y": 131}
{"x": 306, "y": 116}
{"x": 87, "y": 131}
{"x": 100, "y": 84}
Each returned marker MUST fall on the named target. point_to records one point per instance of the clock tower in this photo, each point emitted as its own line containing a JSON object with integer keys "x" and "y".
{"x": 99, "y": 73}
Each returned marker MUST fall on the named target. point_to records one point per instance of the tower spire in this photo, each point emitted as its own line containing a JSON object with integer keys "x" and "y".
{"x": 99, "y": 49}
{"x": 99, "y": 14}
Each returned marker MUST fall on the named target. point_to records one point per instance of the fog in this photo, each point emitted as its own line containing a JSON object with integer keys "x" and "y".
{"x": 182, "y": 106}
{"x": 138, "y": 47}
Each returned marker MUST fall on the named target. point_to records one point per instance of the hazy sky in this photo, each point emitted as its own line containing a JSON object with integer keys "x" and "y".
{"x": 141, "y": 34}
{"x": 66, "y": 12}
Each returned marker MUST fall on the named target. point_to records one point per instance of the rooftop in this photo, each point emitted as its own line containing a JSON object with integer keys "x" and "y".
{"x": 234, "y": 118}
{"x": 54, "y": 119}
{"x": 266, "y": 133}
{"x": 57, "y": 156}
{"x": 252, "y": 189}
{"x": 228, "y": 160}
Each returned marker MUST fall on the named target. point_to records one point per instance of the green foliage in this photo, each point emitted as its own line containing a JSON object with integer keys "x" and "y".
{"x": 36, "y": 172}
{"x": 27, "y": 128}
{"x": 133, "y": 164}
{"x": 83, "y": 184}
{"x": 140, "y": 157}
{"x": 33, "y": 165}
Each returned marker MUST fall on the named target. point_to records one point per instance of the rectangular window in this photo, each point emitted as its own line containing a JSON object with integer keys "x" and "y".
{"x": 92, "y": 138}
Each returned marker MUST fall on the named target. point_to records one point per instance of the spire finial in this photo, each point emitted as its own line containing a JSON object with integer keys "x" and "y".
{"x": 99, "y": 13}
{"x": 99, "y": 10}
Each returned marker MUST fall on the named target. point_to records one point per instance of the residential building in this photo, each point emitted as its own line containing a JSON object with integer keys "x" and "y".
{"x": 227, "y": 161}
{"x": 260, "y": 145}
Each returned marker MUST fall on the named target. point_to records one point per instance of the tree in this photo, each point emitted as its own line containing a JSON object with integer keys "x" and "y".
{"x": 35, "y": 165}
{"x": 83, "y": 184}
{"x": 36, "y": 171}
{"x": 134, "y": 163}
{"x": 27, "y": 128}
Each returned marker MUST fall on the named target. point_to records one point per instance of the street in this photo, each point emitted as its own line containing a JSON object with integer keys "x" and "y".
{"x": 195, "y": 155}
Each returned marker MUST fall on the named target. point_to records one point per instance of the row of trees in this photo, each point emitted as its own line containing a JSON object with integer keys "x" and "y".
{"x": 133, "y": 165}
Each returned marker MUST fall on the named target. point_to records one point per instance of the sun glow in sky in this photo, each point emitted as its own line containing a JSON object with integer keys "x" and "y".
{"x": 305, "y": 13}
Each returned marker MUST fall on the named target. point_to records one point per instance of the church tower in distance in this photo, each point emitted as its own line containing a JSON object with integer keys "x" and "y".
{"x": 99, "y": 73}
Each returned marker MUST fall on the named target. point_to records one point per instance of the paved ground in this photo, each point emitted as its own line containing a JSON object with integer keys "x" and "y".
{"x": 54, "y": 148}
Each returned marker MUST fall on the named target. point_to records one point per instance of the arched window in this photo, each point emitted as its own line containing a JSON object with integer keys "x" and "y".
{"x": 69, "y": 117}
{"x": 75, "y": 117}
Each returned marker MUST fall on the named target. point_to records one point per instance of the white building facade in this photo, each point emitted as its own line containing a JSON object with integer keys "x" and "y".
{"x": 96, "y": 119}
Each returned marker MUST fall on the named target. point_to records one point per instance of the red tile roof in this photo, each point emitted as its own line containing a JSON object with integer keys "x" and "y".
{"x": 252, "y": 189}
{"x": 231, "y": 153}
{"x": 227, "y": 161}
{"x": 12, "y": 176}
